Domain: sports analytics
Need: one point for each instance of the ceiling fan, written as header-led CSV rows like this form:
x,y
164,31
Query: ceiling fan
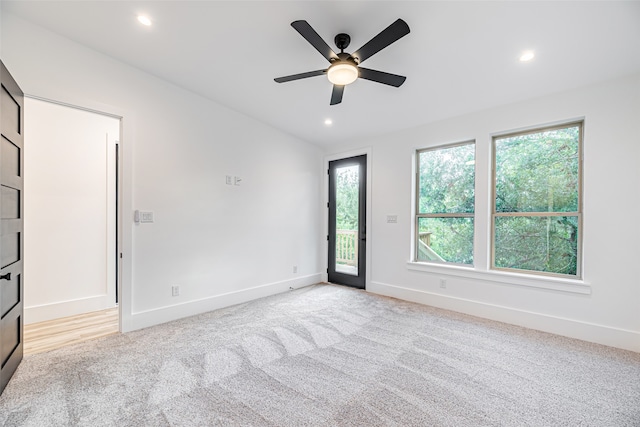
x,y
345,68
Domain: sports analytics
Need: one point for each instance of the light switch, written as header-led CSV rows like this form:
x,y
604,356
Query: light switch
x,y
392,219
237,180
141,216
146,216
229,180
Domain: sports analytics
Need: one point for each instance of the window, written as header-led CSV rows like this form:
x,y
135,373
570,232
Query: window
x,y
445,204
537,221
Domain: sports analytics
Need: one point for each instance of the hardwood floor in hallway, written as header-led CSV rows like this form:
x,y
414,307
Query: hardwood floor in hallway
x,y
53,334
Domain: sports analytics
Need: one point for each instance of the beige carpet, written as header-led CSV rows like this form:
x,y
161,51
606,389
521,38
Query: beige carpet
x,y
327,356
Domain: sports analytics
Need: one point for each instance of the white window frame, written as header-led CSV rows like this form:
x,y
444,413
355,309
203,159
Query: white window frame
x,y
577,214
418,215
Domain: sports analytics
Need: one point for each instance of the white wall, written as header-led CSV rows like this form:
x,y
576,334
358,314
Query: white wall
x,y
70,211
221,244
604,306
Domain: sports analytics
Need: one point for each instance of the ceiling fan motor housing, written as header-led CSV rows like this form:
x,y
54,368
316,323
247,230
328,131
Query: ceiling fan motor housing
x,y
342,41
345,57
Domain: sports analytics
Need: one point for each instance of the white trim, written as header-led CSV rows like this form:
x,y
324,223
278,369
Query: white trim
x,y
147,318
123,200
505,278
125,197
530,128
57,310
600,334
77,107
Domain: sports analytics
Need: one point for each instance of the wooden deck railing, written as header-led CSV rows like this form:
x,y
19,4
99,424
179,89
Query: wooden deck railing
x,y
425,237
347,247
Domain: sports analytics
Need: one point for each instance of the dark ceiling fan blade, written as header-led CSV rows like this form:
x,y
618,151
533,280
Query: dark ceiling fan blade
x,y
300,76
389,35
314,39
381,77
336,94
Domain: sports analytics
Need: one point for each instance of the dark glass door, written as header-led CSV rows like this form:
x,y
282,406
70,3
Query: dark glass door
x,y
347,221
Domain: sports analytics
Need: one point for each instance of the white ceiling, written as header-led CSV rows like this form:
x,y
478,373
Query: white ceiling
x,y
461,56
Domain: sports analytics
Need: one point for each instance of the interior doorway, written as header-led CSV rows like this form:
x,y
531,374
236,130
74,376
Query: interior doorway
x,y
347,221
71,230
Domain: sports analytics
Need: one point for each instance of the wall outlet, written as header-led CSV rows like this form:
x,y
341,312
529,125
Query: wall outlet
x,y
295,268
443,283
175,290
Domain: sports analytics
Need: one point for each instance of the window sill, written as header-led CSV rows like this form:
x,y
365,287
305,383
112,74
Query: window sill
x,y
559,284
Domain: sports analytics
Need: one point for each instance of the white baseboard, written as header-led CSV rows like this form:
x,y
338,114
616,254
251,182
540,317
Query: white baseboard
x,y
56,310
614,337
156,316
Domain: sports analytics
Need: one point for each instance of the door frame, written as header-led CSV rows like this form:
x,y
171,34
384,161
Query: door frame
x,y
325,217
124,197
113,210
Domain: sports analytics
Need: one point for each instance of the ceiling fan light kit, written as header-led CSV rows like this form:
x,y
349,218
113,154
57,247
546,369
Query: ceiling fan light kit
x,y
344,68
342,73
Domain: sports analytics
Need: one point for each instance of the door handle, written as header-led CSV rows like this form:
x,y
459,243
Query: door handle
x,y
6,276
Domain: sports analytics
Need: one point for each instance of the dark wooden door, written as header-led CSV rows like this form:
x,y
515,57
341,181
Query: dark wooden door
x,y
347,221
11,225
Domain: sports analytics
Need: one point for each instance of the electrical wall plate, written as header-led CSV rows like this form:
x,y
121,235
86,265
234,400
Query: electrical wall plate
x,y
142,217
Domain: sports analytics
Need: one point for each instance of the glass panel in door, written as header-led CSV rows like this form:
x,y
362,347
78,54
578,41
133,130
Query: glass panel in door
x,y
347,221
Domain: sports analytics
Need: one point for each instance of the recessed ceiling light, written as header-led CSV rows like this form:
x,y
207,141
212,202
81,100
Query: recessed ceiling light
x,y
527,56
328,122
144,20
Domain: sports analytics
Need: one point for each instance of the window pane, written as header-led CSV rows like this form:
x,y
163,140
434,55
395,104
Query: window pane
x,y
538,172
548,243
446,180
445,240
347,209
